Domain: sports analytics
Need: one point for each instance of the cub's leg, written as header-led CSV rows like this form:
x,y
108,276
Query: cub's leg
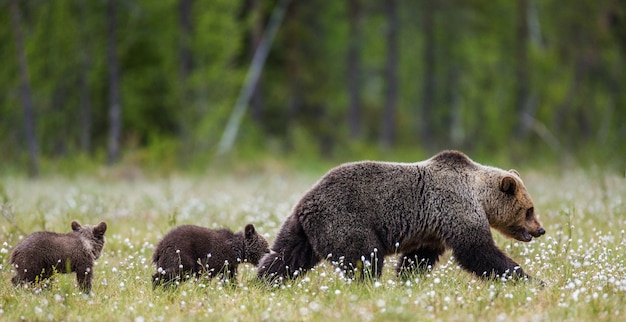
x,y
84,276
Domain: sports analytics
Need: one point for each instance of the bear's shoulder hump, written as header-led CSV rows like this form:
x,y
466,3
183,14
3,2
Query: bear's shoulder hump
x,y
452,157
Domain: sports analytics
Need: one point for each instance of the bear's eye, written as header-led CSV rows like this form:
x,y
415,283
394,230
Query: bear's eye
x,y
530,212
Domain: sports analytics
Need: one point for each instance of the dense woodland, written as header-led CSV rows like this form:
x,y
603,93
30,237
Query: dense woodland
x,y
159,80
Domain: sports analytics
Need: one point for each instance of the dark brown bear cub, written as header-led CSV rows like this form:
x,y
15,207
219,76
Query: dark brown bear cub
x,y
360,212
43,253
189,249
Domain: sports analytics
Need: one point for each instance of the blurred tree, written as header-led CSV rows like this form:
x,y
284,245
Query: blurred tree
x,y
391,75
25,92
477,75
523,105
257,13
115,108
426,117
354,67
310,71
185,68
86,61
186,35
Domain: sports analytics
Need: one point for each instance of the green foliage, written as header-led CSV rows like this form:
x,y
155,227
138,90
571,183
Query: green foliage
x,y
575,67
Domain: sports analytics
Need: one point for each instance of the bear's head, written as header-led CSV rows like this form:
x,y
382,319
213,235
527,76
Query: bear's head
x,y
510,208
92,238
256,245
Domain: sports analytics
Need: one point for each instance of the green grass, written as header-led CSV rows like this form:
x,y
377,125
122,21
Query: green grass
x,y
582,257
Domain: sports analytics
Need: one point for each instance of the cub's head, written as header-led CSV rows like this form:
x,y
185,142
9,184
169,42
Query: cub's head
x,y
92,237
256,245
510,209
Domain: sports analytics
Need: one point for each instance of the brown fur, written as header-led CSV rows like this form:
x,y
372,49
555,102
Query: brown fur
x,y
360,212
43,253
189,249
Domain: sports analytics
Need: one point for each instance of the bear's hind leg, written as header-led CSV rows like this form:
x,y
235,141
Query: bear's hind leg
x,y
360,256
292,254
418,261
361,267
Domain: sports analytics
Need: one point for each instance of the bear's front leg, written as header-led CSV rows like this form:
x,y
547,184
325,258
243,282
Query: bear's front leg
x,y
229,274
84,277
486,260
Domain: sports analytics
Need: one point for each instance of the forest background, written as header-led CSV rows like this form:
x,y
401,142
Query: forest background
x,y
84,83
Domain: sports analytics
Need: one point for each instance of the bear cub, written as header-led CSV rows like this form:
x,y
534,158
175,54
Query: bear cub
x,y
193,250
43,253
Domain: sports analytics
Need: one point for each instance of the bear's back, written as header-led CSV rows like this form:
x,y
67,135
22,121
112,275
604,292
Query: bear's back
x,y
196,241
369,173
45,245
196,233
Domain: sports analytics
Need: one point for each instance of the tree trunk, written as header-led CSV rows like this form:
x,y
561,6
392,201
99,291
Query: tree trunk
x,y
428,88
25,93
187,116
256,33
391,74
354,68
184,47
523,107
83,83
115,109
295,92
564,110
85,109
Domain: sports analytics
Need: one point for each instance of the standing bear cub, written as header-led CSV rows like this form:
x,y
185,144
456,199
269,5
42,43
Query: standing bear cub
x,y
44,253
190,249
360,212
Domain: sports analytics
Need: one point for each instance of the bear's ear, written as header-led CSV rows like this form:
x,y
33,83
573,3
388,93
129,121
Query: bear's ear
x,y
508,185
249,230
513,171
75,225
99,230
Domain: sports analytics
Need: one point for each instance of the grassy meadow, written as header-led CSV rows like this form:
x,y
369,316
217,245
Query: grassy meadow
x,y
582,258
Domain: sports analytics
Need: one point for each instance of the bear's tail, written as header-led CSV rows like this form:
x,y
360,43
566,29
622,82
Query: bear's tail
x,y
292,254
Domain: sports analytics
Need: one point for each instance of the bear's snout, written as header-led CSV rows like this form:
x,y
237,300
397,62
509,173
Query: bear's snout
x,y
527,235
539,232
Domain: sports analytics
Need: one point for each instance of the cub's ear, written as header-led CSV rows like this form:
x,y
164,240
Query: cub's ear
x,y
508,185
99,230
75,225
249,230
513,171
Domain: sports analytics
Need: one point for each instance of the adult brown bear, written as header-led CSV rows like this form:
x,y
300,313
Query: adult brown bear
x,y
360,212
